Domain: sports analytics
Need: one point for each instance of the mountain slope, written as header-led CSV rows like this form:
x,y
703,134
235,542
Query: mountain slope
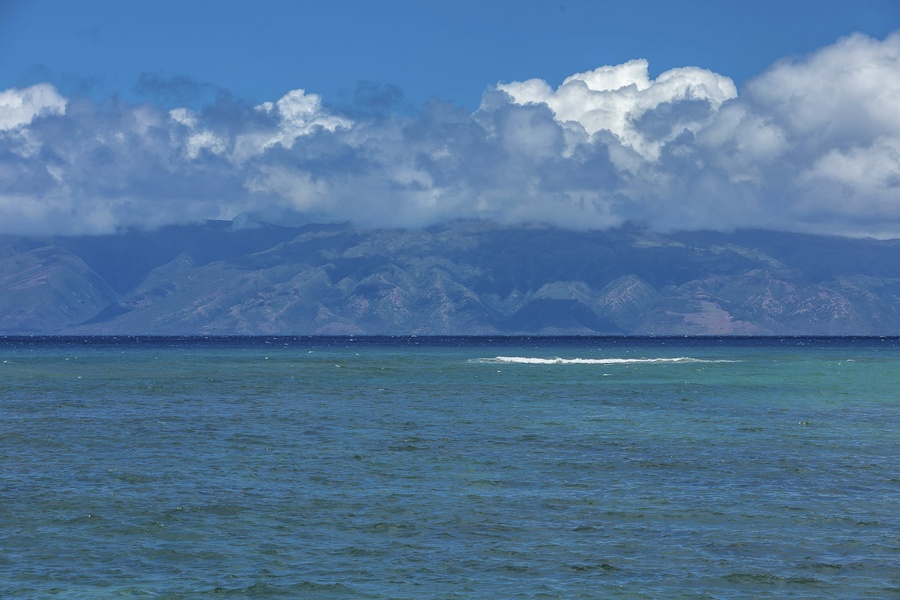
x,y
464,278
44,288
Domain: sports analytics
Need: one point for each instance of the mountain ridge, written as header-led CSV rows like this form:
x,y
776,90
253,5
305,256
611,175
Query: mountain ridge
x,y
465,278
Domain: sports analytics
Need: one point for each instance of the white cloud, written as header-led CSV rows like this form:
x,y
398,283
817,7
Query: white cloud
x,y
614,98
297,114
844,93
741,142
861,181
834,115
811,144
197,138
18,107
294,115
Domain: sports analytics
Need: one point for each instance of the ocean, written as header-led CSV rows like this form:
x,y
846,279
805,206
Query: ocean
x,y
420,467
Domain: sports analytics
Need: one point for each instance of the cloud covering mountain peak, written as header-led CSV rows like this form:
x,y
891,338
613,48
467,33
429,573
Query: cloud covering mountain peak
x,y
811,144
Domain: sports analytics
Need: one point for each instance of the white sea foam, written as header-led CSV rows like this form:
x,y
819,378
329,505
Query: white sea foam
x,y
525,360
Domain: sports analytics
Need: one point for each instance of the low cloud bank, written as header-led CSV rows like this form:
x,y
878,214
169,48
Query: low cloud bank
x,y
812,144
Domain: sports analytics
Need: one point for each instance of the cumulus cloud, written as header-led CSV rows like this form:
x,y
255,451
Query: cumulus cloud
x,y
615,99
811,144
818,136
19,107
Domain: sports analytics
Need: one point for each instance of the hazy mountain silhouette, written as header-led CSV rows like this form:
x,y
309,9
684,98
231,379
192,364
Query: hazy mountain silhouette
x,y
461,278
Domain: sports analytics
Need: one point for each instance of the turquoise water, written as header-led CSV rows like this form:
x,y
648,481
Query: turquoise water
x,y
449,468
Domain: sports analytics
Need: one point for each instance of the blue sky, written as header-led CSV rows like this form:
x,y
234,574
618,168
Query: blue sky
x,y
398,113
449,49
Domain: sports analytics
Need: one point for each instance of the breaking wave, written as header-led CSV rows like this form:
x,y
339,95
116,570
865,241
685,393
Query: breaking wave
x,y
525,360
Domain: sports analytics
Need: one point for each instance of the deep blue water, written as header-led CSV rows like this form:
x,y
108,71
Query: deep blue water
x,y
449,467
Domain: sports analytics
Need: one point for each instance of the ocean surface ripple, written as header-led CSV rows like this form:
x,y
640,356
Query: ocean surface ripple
x,y
418,468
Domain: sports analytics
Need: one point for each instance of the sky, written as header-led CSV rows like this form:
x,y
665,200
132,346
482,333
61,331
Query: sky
x,y
584,114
